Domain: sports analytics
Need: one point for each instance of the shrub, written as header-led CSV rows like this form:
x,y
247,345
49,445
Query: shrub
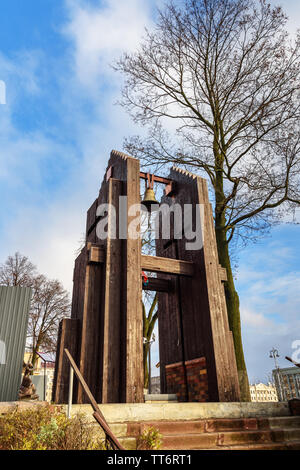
x,y
47,428
150,439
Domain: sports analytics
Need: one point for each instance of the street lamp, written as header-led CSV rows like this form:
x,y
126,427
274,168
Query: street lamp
x,y
150,341
274,354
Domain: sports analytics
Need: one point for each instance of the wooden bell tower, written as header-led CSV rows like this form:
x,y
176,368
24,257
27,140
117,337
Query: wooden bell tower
x,y
105,331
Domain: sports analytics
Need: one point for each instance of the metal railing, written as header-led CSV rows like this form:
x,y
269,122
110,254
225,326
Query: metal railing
x,y
111,440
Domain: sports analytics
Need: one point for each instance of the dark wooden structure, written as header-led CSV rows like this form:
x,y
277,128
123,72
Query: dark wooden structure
x,y
104,334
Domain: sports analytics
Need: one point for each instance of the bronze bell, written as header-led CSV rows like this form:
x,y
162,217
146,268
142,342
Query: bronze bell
x,y
149,200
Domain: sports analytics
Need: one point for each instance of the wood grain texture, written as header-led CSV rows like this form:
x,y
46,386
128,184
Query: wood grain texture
x,y
159,285
167,265
133,294
89,355
96,254
204,323
107,298
112,306
67,338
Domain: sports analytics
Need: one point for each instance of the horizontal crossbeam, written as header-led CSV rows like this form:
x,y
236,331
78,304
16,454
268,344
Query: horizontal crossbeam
x,y
154,264
158,285
158,179
167,265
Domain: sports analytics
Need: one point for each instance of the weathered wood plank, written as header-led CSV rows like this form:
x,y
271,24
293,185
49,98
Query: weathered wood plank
x,y
90,329
112,305
96,254
67,338
133,294
159,285
154,264
167,265
204,324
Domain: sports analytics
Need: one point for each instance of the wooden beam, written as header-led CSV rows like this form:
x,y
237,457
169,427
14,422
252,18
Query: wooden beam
x,y
158,179
152,264
167,265
158,285
96,254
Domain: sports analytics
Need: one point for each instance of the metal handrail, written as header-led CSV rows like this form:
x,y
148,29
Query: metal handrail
x,y
110,437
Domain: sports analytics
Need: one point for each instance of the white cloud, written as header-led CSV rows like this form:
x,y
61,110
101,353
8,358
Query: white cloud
x,y
48,231
102,33
270,298
47,223
254,319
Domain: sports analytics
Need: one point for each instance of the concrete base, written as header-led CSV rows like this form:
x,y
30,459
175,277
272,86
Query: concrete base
x,y
160,398
138,412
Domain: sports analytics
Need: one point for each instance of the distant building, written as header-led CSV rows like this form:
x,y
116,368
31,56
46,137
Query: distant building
x,y
287,383
263,393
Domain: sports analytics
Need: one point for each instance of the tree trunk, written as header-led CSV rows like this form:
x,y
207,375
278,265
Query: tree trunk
x,y
34,357
145,360
35,350
233,310
232,298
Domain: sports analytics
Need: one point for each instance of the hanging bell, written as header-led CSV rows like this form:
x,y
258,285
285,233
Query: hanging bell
x,y
149,201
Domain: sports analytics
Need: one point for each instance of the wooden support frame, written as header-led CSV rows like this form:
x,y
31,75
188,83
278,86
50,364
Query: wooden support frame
x,y
159,285
107,297
150,263
167,265
193,320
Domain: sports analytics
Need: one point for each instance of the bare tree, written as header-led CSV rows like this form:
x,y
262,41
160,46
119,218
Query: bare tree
x,y
149,321
49,303
226,74
17,271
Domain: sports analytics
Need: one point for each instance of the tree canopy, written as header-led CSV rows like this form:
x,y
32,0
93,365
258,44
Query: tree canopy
x,y
216,86
225,75
49,303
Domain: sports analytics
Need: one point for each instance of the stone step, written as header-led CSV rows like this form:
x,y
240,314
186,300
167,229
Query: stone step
x,y
294,445
201,426
216,433
226,439
284,422
214,425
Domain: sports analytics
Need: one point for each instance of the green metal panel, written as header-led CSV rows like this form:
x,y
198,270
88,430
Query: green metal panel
x,y
14,309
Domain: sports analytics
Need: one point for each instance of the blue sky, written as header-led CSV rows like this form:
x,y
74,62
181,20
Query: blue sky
x,y
57,129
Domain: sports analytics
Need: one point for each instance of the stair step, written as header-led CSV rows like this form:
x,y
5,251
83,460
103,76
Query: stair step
x,y
199,426
291,434
232,438
218,425
295,445
284,422
224,433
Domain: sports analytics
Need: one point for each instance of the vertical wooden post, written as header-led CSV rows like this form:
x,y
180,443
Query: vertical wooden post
x,y
204,325
133,294
68,337
112,307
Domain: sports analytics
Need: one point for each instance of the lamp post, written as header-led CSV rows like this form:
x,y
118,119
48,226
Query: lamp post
x,y
150,341
274,355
